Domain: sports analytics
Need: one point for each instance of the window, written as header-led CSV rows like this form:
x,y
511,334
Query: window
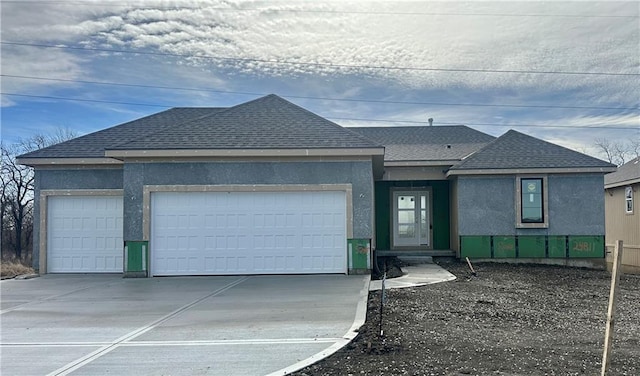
x,y
531,202
628,200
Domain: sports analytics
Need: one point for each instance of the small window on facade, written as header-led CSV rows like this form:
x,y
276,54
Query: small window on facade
x,y
531,200
628,200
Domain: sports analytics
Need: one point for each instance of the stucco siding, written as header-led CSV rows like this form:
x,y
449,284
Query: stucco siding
x,y
357,173
80,179
486,206
576,205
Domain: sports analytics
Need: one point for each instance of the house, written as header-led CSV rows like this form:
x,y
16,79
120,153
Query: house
x,y
268,187
621,214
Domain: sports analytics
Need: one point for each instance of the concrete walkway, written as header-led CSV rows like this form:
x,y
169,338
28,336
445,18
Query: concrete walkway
x,y
415,275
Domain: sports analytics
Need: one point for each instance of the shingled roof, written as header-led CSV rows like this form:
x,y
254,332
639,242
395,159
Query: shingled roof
x,y
265,123
269,122
628,173
427,143
93,145
516,151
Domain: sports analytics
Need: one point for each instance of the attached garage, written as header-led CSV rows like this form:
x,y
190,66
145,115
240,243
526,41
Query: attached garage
x,y
205,233
84,234
263,187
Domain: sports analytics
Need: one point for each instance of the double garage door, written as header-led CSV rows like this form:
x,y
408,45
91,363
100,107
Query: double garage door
x,y
208,233
205,233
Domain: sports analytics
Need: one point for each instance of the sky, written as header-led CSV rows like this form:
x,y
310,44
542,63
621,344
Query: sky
x,y
565,72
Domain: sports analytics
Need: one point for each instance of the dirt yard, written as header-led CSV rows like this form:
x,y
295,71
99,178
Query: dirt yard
x,y
509,320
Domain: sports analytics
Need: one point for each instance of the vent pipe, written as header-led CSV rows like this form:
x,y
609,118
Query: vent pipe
x,y
430,122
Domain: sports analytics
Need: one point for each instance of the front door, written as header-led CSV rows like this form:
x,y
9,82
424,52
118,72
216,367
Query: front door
x,y
411,219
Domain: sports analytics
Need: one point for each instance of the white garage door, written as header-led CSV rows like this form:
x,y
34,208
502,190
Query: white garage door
x,y
84,234
208,233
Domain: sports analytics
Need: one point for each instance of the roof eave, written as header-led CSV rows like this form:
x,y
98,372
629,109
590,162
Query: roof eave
x,y
35,162
309,152
542,170
423,163
622,183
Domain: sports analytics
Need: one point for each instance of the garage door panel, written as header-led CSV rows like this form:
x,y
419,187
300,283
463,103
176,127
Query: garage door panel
x,y
250,232
84,234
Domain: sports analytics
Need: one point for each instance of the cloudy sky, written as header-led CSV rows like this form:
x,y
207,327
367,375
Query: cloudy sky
x,y
566,72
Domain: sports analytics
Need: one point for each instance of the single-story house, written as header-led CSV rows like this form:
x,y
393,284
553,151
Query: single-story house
x,y
621,214
269,187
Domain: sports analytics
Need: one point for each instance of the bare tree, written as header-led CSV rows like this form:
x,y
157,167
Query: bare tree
x,y
16,203
619,152
17,196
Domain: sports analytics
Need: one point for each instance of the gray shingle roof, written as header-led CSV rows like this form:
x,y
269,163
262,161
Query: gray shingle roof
x,y
626,174
93,145
514,150
427,143
269,122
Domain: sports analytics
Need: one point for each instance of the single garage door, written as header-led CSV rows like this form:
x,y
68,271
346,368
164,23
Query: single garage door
x,y
209,233
84,234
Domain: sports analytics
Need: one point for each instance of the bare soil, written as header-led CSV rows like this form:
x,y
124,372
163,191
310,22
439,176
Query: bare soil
x,y
507,320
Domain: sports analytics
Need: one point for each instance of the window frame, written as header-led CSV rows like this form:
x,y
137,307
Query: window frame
x,y
628,199
544,198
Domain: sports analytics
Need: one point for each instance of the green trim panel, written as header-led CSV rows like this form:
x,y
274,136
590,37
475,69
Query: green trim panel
x,y
531,246
504,247
557,246
475,246
136,256
586,246
359,254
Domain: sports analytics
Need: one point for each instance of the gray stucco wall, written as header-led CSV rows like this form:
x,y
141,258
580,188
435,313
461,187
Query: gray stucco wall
x,y
486,205
68,179
357,173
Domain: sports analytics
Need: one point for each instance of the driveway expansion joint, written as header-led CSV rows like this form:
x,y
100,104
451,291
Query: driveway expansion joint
x,y
79,363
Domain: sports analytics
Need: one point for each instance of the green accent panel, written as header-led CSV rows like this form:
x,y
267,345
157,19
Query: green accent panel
x,y
383,215
504,247
586,246
439,205
441,216
359,253
557,246
531,246
137,256
475,246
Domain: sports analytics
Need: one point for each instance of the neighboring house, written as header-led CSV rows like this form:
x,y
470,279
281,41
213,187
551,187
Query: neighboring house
x,y
268,187
622,188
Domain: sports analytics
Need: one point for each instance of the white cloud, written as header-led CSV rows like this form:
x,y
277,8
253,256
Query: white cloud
x,y
337,36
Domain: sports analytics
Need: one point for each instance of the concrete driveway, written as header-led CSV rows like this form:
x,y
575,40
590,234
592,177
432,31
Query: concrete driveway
x,y
232,325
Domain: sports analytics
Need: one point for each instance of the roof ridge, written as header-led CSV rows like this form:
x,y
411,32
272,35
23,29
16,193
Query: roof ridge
x,y
466,158
269,116
361,137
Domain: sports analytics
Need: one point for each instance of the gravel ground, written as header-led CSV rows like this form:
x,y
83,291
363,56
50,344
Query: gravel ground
x,y
507,320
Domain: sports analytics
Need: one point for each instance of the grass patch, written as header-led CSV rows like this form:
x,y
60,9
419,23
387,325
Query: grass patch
x,y
12,268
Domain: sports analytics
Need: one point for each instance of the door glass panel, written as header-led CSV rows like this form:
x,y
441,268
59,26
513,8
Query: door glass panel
x,y
406,216
411,219
406,231
406,202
